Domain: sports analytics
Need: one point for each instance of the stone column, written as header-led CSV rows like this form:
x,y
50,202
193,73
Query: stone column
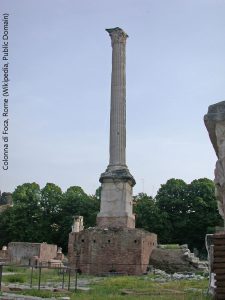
x,y
117,182
118,100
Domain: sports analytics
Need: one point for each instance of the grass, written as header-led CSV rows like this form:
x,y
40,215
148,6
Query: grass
x,y
13,269
23,275
117,288
170,246
50,277
142,288
43,293
113,288
16,278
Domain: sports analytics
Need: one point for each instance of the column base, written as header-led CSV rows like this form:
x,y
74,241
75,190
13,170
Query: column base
x,y
96,251
116,222
117,173
116,203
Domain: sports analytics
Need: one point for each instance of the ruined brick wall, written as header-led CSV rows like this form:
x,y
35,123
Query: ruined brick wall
x,y
96,251
219,264
22,253
3,253
4,256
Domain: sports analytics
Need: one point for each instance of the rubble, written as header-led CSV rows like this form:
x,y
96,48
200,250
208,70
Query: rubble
x,y
161,276
177,259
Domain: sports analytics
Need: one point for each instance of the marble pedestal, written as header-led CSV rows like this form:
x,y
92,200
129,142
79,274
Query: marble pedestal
x,y
116,199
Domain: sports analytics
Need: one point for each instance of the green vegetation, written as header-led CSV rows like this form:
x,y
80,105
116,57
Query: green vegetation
x,y
133,287
180,213
12,269
45,215
43,293
170,246
16,278
49,277
124,287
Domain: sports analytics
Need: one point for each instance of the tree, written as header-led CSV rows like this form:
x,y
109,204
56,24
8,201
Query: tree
x,y
6,227
149,216
171,201
22,222
191,210
98,193
76,202
203,215
51,206
46,215
180,213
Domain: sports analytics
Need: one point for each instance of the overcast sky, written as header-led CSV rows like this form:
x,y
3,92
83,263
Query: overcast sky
x,y
60,68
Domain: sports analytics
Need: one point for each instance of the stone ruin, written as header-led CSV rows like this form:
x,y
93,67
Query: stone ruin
x,y
115,245
5,201
6,198
215,124
78,224
33,254
215,243
4,254
178,259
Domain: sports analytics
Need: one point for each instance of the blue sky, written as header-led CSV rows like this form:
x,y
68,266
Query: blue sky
x,y
60,67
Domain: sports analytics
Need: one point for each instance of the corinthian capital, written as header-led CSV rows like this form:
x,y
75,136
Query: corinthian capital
x,y
117,35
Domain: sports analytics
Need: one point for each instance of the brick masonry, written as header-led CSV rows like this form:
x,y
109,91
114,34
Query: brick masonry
x,y
219,264
3,256
96,251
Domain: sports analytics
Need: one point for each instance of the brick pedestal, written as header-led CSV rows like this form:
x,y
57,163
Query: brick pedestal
x,y
124,250
219,264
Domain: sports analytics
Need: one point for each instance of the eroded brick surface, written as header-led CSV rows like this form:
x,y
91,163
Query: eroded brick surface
x,y
218,264
96,251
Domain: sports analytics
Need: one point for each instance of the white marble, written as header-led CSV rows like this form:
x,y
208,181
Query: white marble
x,y
78,224
117,147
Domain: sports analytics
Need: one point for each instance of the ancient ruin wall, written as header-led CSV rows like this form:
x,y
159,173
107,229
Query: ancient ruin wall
x,y
22,252
97,251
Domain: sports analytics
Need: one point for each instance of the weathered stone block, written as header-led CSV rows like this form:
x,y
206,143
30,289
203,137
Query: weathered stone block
x,y
22,252
116,204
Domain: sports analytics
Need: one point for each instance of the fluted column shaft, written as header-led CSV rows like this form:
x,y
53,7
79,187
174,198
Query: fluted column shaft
x,y
117,183
118,99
